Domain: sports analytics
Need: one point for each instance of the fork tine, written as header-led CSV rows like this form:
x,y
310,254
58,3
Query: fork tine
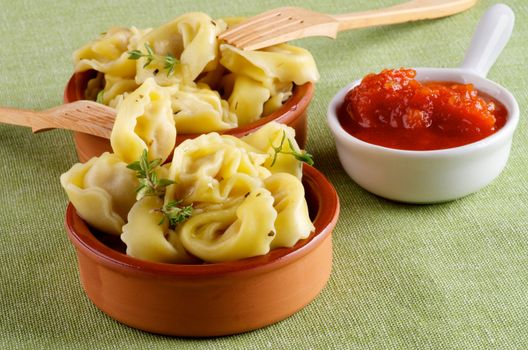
x,y
260,31
260,44
284,34
83,116
249,23
270,32
253,21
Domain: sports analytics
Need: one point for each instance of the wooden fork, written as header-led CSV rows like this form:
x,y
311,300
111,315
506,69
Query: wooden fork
x,y
289,23
85,116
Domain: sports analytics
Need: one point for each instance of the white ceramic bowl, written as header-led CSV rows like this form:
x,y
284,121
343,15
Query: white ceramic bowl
x,y
447,174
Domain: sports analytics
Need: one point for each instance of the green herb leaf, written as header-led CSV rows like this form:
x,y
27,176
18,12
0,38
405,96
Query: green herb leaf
x,y
302,156
135,55
151,185
134,166
165,182
100,96
149,182
170,62
175,214
149,49
154,163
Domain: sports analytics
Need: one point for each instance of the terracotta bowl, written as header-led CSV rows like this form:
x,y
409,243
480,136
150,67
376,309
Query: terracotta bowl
x,y
209,299
292,113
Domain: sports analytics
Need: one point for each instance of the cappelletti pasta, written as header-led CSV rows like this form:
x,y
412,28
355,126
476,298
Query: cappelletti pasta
x,y
102,191
200,109
148,240
241,206
191,38
232,233
274,135
144,121
219,198
214,86
212,168
108,53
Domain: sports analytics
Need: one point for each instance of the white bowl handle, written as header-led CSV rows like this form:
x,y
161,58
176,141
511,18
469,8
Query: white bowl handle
x,y
490,37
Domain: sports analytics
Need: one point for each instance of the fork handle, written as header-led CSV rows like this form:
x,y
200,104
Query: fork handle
x,y
20,117
409,11
39,121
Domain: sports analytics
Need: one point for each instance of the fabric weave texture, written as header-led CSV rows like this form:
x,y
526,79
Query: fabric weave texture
x,y
444,276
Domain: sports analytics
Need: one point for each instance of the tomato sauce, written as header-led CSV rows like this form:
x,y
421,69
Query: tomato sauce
x,y
393,109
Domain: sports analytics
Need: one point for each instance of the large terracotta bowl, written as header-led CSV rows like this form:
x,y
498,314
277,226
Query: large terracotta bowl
x,y
209,299
292,113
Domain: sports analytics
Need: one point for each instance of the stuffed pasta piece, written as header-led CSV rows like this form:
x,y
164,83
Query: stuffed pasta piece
x,y
109,53
293,221
271,137
102,191
189,40
264,78
115,89
278,63
213,168
243,230
144,121
200,110
241,209
247,99
147,239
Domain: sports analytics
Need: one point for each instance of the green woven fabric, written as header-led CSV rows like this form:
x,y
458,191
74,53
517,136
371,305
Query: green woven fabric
x,y
447,276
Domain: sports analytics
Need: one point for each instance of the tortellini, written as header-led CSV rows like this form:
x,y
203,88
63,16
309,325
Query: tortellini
x,y
191,38
144,121
108,54
274,135
244,196
212,168
241,208
270,65
232,233
115,89
147,239
102,191
200,110
214,86
238,205
293,222
247,99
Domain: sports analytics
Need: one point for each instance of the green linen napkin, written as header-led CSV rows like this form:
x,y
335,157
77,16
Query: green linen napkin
x,y
447,276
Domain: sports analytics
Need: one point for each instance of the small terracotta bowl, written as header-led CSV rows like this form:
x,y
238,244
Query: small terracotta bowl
x,y
209,299
292,113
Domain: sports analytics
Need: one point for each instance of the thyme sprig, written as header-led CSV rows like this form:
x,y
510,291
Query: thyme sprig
x,y
100,97
302,156
137,54
151,185
169,61
175,213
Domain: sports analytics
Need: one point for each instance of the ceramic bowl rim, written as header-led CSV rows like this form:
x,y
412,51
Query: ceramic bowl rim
x,y
506,132
324,222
